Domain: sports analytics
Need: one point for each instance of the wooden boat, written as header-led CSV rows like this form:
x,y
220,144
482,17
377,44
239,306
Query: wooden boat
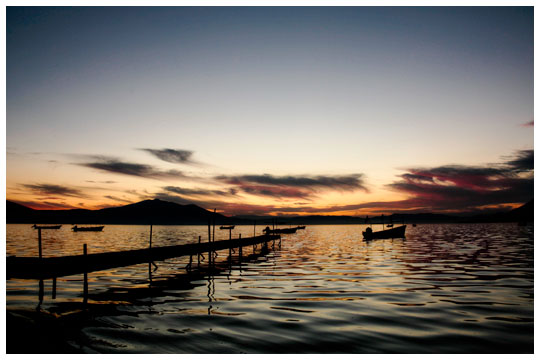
x,y
87,228
280,231
394,233
230,227
55,227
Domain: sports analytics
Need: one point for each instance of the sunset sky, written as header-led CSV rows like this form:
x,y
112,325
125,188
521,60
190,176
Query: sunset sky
x,y
271,110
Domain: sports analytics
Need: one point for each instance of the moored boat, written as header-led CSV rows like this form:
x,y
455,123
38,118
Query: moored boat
x,y
301,227
393,233
280,231
54,227
224,227
87,228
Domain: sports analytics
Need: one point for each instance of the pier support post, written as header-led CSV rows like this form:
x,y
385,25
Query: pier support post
x,y
209,242
54,288
39,242
199,254
85,284
41,294
188,267
240,248
150,257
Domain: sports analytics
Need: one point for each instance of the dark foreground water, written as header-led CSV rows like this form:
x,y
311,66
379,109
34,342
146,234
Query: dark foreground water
x,y
457,288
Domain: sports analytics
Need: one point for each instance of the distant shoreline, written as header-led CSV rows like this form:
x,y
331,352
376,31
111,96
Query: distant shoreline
x,y
158,212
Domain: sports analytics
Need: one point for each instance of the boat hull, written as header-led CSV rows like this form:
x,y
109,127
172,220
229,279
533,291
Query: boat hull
x,y
97,228
54,227
394,233
281,231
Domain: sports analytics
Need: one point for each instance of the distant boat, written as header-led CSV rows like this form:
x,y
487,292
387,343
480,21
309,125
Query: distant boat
x,y
301,227
279,231
413,225
390,225
55,227
87,228
394,233
230,227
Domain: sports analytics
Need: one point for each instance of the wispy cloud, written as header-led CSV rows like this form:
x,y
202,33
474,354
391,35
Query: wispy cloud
x,y
299,187
175,156
116,166
199,192
115,198
52,189
46,205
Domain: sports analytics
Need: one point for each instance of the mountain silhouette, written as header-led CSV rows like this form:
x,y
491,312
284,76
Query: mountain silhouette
x,y
159,212
155,212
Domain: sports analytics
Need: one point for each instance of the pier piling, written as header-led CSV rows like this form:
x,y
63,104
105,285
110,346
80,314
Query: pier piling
x,y
85,280
39,242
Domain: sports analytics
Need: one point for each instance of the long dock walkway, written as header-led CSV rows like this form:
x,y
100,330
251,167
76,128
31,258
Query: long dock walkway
x,y
53,267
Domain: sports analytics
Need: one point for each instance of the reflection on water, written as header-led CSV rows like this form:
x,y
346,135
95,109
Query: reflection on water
x,y
445,289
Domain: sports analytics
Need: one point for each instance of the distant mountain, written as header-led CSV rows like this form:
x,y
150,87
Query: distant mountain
x,y
155,212
16,213
160,212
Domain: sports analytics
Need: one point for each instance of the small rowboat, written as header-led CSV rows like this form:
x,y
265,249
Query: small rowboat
x,y
280,231
230,227
55,227
89,228
394,233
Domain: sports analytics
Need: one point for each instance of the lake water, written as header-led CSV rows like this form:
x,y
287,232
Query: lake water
x,y
453,288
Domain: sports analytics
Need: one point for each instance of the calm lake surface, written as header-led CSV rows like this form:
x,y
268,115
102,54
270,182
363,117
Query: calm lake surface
x,y
453,288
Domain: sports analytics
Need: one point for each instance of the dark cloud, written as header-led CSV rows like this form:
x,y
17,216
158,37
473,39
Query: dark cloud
x,y
466,188
46,205
522,161
142,170
51,189
115,198
299,187
199,192
175,156
346,182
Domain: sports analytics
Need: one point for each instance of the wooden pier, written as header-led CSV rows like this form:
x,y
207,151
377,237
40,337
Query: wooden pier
x,y
53,267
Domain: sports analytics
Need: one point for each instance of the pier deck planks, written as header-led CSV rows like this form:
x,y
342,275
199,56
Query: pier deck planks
x,y
52,267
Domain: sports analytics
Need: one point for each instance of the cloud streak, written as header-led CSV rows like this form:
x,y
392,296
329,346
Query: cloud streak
x,y
116,166
456,187
175,156
51,189
298,187
199,192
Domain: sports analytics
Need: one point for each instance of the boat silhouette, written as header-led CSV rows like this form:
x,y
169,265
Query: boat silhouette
x,y
87,228
393,233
